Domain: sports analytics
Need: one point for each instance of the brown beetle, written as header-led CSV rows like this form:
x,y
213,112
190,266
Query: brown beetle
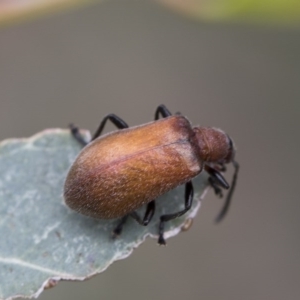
x,y
119,172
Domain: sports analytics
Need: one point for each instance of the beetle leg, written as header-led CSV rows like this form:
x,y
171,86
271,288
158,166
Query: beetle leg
x,y
114,119
76,134
148,214
161,109
225,208
189,195
217,177
222,168
214,185
147,218
117,231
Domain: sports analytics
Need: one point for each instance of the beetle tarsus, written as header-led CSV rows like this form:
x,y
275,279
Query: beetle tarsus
x,y
161,228
118,230
76,134
162,241
218,191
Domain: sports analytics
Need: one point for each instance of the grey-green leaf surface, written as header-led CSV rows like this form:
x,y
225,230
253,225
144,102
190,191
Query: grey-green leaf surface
x,y
42,240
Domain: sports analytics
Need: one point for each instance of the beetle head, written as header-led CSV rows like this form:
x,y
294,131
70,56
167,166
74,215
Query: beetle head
x,y
216,147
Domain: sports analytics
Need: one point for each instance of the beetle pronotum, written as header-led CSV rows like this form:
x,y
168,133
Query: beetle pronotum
x,y
117,173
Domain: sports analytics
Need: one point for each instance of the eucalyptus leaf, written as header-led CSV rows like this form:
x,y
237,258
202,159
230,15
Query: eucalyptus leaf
x,y
278,12
284,12
42,240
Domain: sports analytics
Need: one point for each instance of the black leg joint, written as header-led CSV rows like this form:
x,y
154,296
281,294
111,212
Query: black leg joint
x,y
161,109
117,121
148,214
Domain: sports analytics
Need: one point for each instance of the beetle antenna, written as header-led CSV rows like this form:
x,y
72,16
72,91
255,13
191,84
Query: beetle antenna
x,y
225,208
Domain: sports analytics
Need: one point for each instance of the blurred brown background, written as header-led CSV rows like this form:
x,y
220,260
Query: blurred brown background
x,y
127,57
